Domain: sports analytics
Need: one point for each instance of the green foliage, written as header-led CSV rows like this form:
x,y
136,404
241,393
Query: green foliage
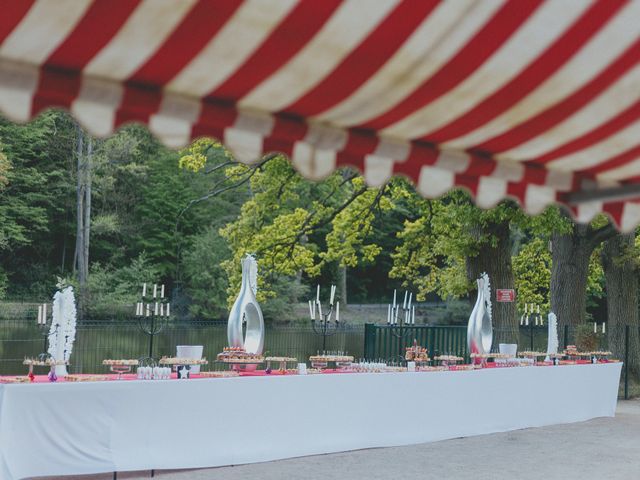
x,y
298,227
205,280
532,270
112,288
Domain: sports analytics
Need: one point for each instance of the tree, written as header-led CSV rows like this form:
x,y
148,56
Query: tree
x,y
620,261
293,226
451,242
572,249
83,215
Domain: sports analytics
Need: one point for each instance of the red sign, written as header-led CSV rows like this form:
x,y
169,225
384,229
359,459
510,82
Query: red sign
x,y
505,295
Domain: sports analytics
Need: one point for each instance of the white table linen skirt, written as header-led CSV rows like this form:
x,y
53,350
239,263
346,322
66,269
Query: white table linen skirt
x,y
82,428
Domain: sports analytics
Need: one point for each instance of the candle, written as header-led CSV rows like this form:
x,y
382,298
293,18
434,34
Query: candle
x,y
44,313
538,311
595,327
144,289
155,290
395,320
39,314
155,311
162,291
311,311
319,310
410,297
318,294
333,294
526,320
388,314
168,309
148,310
337,311
162,309
394,297
404,303
603,324
413,320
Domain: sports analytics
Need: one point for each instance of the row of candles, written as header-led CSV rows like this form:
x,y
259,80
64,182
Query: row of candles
x,y
408,309
159,308
42,314
316,303
529,311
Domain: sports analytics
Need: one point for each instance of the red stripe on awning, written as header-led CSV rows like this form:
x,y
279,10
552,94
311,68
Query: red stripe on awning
x,y
365,59
562,110
199,26
287,39
60,78
531,77
12,13
478,49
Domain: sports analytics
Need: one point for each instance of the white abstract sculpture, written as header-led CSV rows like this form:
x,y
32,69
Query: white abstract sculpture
x,y
552,342
246,309
62,333
480,328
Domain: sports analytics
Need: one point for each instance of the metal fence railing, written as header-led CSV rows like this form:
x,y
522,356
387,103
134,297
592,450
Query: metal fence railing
x,y
96,340
623,341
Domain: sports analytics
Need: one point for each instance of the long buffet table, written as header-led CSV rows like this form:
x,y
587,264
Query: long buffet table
x,y
93,427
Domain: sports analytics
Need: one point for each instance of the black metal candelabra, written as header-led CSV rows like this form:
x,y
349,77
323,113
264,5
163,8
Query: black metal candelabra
x,y
153,313
43,325
397,323
531,318
325,326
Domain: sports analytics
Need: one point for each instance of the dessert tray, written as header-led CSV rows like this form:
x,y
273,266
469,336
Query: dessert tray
x,y
528,354
572,351
416,354
447,359
48,362
175,361
282,361
322,361
129,363
599,353
238,355
228,374
120,366
87,378
15,379
490,355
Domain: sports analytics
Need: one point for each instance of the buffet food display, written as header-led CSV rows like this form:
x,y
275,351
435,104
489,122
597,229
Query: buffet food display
x,y
446,360
215,374
46,362
238,355
87,378
174,361
323,361
121,366
281,361
416,353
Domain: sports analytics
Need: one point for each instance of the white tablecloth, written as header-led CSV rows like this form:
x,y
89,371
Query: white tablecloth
x,y
76,428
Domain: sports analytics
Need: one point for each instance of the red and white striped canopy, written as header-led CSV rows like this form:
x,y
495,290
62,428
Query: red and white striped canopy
x,y
538,100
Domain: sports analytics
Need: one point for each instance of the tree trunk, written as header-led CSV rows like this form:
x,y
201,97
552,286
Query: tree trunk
x,y
77,264
622,298
570,254
83,218
342,284
87,209
496,262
